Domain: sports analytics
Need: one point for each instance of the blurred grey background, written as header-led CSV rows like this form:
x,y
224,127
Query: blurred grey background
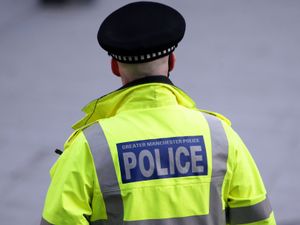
x,y
239,58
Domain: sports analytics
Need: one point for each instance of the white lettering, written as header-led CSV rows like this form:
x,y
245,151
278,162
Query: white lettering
x,y
196,158
171,160
163,162
160,171
182,168
129,163
146,154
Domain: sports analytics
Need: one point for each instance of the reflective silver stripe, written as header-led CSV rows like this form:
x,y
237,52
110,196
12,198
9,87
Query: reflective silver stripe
x,y
108,179
44,222
250,214
106,174
219,146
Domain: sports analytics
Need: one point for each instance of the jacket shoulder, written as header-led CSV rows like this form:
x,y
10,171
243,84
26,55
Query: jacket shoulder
x,y
218,115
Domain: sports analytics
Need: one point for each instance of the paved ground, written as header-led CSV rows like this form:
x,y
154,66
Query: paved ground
x,y
240,58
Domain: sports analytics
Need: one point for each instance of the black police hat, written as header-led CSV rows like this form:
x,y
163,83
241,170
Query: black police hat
x,y
141,32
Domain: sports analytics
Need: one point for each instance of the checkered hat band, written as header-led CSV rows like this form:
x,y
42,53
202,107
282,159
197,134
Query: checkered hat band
x,y
142,58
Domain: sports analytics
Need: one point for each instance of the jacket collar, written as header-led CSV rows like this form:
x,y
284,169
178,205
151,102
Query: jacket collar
x,y
147,80
110,104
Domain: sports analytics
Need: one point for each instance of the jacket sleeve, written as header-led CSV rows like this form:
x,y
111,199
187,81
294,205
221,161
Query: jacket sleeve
x,y
247,201
70,194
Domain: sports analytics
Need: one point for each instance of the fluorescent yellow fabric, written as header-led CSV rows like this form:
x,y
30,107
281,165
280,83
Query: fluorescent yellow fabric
x,y
143,112
159,195
73,196
243,185
108,106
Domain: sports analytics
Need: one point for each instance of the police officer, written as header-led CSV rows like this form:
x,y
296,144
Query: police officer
x,y
144,154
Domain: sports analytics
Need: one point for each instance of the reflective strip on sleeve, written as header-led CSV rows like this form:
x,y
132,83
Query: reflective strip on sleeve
x,y
108,180
106,174
250,214
44,222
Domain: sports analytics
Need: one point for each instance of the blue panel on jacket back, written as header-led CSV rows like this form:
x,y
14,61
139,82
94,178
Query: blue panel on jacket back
x,y
162,158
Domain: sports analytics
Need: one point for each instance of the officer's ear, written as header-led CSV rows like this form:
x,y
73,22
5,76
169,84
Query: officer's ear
x,y
115,67
172,60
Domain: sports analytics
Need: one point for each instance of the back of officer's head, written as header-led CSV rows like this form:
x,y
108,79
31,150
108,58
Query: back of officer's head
x,y
141,36
130,72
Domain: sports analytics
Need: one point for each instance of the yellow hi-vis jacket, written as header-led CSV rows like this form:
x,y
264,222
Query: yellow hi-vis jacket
x,y
145,155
